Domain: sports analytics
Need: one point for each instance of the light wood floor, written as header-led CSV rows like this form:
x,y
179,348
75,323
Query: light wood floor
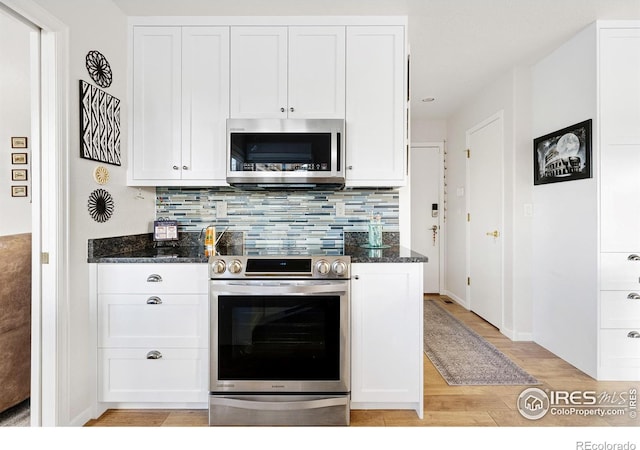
x,y
445,405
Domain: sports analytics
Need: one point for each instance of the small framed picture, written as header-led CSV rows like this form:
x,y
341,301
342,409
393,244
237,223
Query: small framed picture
x,y
18,158
19,175
18,142
18,191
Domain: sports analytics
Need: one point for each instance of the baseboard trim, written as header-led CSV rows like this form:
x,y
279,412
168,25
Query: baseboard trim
x,y
457,299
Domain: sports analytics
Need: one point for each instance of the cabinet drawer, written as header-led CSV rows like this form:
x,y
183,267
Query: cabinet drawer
x,y
620,309
619,351
619,271
126,375
161,278
171,320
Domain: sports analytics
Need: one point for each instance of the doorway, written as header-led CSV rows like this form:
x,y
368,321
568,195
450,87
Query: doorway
x,y
48,150
427,205
485,219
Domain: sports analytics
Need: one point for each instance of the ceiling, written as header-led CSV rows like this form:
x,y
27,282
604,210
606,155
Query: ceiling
x,y
457,46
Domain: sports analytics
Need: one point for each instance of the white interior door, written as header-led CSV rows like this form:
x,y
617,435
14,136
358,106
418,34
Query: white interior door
x,y
484,201
426,207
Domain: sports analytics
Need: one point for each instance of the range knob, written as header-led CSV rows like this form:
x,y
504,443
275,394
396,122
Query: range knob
x,y
322,267
339,267
218,267
235,267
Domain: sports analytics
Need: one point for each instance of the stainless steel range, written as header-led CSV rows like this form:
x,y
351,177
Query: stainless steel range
x,y
280,340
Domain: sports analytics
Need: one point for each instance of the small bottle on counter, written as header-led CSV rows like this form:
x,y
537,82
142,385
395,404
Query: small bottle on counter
x,y
375,232
209,238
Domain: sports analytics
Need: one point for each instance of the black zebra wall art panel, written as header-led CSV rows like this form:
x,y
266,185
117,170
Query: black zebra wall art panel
x,y
99,125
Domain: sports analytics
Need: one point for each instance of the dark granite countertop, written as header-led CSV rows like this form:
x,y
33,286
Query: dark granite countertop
x,y
189,249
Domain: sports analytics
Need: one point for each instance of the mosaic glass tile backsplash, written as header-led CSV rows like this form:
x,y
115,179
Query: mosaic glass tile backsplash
x,y
279,218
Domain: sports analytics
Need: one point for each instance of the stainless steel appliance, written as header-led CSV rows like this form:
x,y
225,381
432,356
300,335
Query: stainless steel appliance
x,y
285,152
280,343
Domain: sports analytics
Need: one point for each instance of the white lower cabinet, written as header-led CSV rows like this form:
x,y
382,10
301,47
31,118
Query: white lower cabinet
x,y
387,336
152,333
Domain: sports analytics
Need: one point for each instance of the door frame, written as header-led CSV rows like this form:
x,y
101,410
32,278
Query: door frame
x,y
442,229
50,222
469,300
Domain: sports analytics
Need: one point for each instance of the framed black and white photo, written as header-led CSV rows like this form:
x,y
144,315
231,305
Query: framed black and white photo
x,y
18,142
563,155
99,125
19,158
18,191
19,175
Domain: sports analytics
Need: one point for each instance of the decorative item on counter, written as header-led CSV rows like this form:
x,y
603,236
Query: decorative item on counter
x,y
165,230
99,125
100,205
209,241
101,175
375,232
99,68
374,238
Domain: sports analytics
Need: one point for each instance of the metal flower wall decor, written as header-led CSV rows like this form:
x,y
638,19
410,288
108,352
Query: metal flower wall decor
x,y
100,205
99,69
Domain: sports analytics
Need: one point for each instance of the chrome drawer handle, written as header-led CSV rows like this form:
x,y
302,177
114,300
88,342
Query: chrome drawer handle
x,y
633,257
154,278
633,334
154,301
633,296
154,354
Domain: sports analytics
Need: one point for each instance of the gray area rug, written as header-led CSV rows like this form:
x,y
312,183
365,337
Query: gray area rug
x,y
462,356
17,416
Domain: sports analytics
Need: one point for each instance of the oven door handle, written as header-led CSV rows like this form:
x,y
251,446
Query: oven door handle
x,y
276,288
260,404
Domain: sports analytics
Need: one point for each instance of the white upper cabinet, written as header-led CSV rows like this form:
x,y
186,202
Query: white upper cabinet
x,y
620,139
180,105
280,72
376,113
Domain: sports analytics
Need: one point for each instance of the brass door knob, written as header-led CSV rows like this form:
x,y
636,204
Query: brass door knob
x,y
494,233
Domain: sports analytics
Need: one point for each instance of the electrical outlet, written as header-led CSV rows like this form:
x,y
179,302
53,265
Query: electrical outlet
x,y
340,209
221,210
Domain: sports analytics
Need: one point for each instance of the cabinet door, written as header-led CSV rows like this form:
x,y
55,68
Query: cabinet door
x,y
316,72
258,72
205,103
386,334
620,139
156,103
375,106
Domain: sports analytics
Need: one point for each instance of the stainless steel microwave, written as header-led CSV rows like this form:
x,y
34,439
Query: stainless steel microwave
x,y
285,152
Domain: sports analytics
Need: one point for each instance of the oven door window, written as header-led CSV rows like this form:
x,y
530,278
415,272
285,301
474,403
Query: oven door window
x,y
279,337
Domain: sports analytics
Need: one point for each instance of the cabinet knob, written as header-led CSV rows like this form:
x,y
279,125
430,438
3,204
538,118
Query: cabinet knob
x,y
154,278
291,109
282,110
154,300
185,167
633,296
357,277
154,354
633,334
176,168
633,257
350,167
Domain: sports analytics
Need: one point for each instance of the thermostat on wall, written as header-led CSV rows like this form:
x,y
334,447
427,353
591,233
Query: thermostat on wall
x,y
165,230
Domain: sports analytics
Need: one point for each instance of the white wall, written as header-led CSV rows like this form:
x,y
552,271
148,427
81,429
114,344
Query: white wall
x,y
15,120
96,25
510,94
565,221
